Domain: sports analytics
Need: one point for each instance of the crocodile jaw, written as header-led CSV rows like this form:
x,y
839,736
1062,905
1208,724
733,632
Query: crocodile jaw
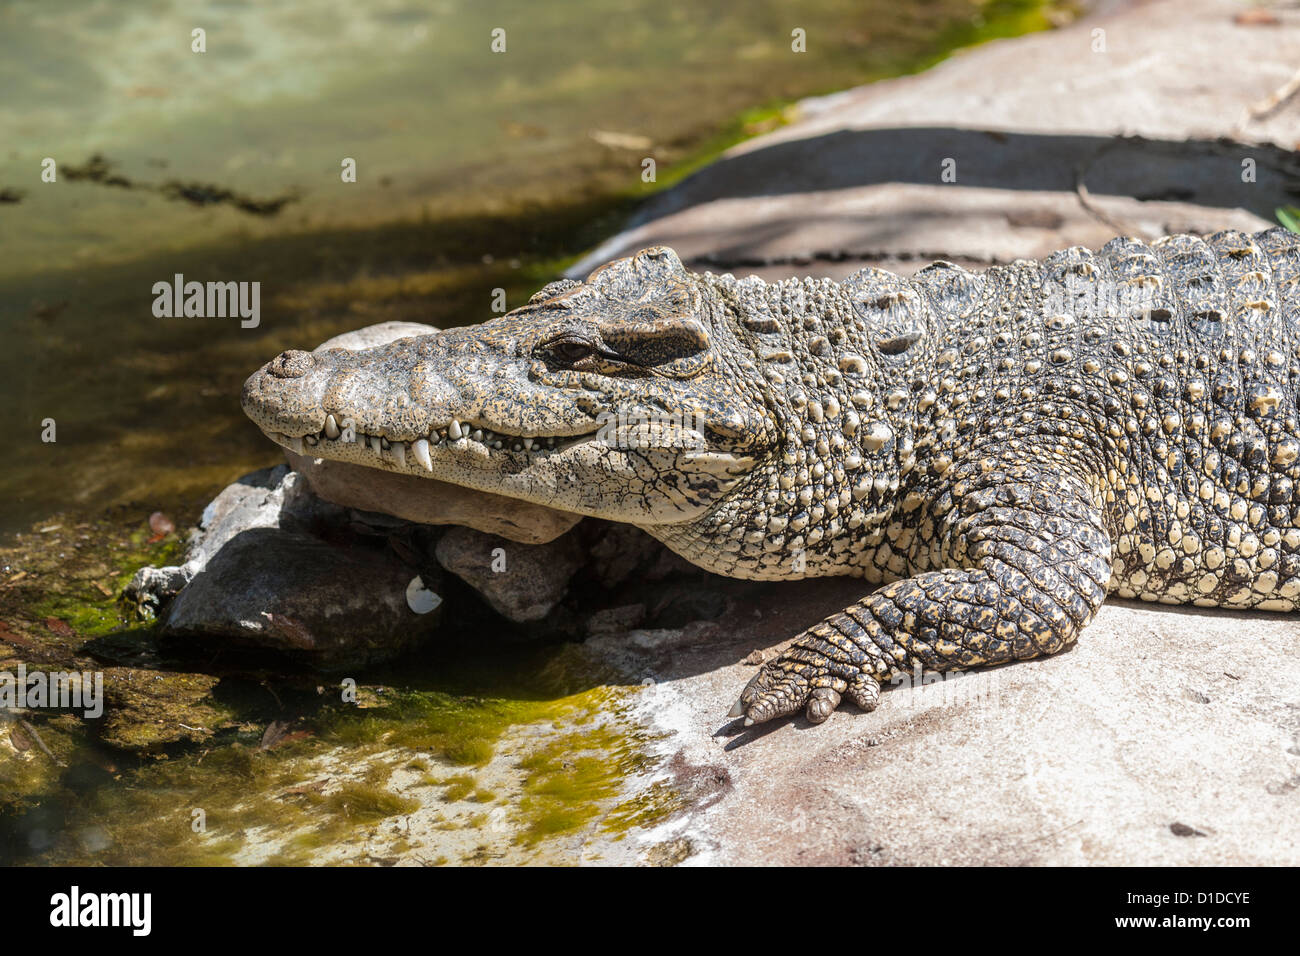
x,y
436,407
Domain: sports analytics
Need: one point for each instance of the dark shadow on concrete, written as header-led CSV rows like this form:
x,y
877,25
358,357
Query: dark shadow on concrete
x,y
1203,172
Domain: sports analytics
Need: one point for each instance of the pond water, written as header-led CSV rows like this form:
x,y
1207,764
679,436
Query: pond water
x,y
475,169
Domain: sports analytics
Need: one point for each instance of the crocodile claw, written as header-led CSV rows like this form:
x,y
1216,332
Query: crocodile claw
x,y
786,686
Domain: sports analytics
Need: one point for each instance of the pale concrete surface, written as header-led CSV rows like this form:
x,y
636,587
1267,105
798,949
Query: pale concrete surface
x,y
1160,721
1166,736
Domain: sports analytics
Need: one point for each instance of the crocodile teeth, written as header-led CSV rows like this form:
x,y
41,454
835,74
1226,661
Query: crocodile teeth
x,y
478,435
453,430
375,446
331,427
528,444
421,449
399,453
295,444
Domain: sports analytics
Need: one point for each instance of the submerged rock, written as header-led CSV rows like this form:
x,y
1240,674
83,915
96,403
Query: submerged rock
x,y
147,709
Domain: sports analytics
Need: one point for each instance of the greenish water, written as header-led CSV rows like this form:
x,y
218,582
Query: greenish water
x,y
475,170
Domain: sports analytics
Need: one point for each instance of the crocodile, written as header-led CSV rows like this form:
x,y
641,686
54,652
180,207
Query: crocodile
x,y
992,452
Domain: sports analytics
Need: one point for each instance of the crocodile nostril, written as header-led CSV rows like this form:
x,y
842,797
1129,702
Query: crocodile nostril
x,y
291,364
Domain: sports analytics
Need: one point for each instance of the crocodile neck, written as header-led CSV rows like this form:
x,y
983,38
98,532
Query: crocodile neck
x,y
812,509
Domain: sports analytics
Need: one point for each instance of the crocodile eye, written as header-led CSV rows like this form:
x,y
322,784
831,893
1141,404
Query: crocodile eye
x,y
569,353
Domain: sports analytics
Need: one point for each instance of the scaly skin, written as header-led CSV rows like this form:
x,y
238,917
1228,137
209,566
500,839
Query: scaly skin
x,y
998,450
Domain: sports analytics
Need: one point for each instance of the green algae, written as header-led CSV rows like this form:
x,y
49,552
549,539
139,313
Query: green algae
x,y
301,798
457,788
323,792
580,778
367,803
76,572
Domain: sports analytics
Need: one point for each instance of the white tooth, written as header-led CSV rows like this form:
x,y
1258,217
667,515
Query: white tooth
x,y
496,444
528,444
375,446
331,427
478,435
453,430
296,445
421,449
399,453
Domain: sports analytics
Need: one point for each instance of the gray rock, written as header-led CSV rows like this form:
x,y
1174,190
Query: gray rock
x,y
620,551
261,499
337,604
521,582
150,588
373,335
615,620
1158,716
256,575
425,501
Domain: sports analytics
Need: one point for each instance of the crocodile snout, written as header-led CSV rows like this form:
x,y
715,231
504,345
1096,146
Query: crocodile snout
x,y
291,364
285,394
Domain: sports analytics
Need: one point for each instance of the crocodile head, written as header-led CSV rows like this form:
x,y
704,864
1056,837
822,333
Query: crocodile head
x,y
623,397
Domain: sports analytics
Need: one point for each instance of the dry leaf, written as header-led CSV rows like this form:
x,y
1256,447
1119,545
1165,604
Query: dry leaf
x,y
1256,17
20,739
60,627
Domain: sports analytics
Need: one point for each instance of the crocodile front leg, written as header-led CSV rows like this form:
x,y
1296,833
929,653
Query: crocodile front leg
x,y
1033,559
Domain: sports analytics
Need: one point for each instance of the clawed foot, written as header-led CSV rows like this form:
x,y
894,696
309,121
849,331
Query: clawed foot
x,y
787,684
